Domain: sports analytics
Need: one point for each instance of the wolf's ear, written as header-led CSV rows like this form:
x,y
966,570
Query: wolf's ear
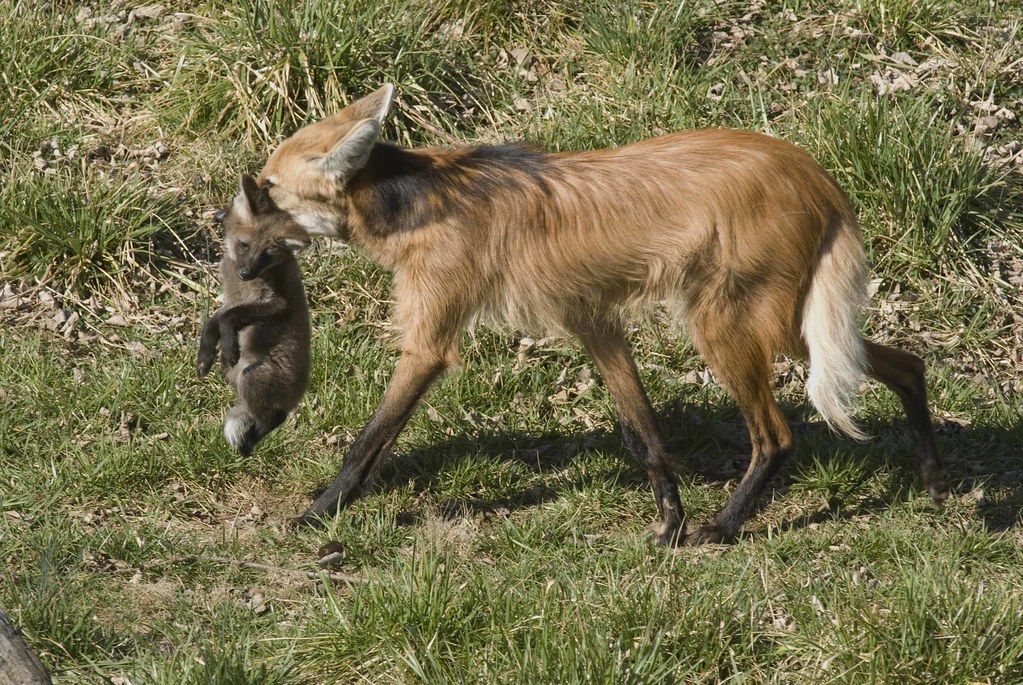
x,y
352,152
372,106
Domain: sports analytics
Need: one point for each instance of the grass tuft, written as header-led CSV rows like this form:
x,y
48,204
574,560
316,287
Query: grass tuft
x,y
84,233
930,202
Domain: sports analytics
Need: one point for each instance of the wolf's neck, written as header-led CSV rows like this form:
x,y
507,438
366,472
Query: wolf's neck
x,y
401,190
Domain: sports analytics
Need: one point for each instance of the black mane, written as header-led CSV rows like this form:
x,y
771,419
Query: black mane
x,y
401,189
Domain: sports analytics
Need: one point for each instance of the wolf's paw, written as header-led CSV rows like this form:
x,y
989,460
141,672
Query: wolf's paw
x,y
708,534
665,535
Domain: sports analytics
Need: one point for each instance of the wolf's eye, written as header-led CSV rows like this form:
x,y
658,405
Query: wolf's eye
x,y
243,244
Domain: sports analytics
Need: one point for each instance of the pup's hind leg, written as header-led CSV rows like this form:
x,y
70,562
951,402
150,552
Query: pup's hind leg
x,y
259,408
237,426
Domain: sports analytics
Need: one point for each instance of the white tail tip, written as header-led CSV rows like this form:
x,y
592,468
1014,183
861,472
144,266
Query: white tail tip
x,y
235,428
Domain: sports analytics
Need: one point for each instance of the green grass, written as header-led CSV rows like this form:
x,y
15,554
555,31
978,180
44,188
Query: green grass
x,y
900,160
86,233
504,542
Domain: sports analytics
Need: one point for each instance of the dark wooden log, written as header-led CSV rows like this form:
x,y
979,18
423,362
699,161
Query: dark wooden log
x,y
18,664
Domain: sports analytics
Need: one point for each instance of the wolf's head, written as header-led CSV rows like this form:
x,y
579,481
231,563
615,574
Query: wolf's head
x,y
308,173
259,235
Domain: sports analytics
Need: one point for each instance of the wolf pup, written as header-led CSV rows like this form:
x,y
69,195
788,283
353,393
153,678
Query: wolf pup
x,y
744,238
263,326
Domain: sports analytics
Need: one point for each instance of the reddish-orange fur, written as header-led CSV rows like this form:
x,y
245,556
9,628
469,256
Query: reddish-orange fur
x,y
742,236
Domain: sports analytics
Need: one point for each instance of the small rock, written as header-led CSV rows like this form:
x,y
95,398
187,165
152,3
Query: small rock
x,y
117,320
903,58
985,126
330,554
332,560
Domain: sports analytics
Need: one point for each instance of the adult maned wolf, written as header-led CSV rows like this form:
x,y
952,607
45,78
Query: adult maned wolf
x,y
742,236
263,327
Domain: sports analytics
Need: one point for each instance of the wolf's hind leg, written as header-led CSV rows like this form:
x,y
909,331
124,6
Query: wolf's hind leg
x,y
740,355
903,372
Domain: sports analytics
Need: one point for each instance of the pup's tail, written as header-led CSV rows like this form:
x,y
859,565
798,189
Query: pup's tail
x,y
239,428
243,428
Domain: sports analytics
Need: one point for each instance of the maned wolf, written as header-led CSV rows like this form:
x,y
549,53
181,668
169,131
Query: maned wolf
x,y
263,325
743,236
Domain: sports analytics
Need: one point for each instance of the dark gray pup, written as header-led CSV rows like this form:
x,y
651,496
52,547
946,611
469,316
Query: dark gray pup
x,y
263,326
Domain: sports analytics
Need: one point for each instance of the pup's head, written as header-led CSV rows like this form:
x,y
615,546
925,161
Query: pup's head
x,y
257,234
309,172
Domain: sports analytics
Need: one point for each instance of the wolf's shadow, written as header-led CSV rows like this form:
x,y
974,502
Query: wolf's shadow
x,y
710,442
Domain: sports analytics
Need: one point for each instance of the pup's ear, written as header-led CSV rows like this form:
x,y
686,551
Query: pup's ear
x,y
296,243
351,152
252,199
248,186
247,199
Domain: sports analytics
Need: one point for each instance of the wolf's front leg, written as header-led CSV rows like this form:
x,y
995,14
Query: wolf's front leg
x,y
413,376
609,349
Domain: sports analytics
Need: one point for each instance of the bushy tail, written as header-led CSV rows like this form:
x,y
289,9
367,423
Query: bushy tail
x,y
831,327
238,429
245,427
